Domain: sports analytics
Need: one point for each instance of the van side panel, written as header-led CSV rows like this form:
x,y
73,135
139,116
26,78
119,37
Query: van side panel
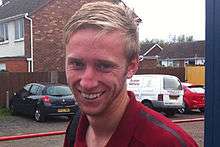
x,y
151,87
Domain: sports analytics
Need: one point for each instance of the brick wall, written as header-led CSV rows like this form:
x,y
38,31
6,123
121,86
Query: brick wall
x,y
148,64
48,23
15,64
178,72
27,38
155,51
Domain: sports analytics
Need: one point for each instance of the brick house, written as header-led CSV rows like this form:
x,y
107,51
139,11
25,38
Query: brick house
x,y
149,56
173,55
31,33
182,54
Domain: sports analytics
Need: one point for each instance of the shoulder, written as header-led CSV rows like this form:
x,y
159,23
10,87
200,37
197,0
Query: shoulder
x,y
155,129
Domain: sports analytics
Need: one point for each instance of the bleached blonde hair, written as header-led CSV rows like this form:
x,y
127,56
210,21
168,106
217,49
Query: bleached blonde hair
x,y
107,17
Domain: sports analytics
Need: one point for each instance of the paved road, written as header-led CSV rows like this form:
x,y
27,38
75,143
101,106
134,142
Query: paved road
x,y
15,125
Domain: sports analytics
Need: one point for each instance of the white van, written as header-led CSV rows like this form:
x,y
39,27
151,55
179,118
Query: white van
x,y
157,91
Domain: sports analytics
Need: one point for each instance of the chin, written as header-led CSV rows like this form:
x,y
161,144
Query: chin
x,y
92,111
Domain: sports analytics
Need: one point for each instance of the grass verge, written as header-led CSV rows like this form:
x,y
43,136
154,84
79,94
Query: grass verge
x,y
4,112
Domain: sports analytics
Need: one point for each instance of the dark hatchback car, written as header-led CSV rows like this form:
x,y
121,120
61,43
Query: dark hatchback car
x,y
41,100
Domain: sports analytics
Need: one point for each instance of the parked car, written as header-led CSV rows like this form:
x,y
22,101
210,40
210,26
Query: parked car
x,y
194,97
41,100
162,93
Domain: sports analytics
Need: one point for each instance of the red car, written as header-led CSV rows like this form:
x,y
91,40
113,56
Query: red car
x,y
194,97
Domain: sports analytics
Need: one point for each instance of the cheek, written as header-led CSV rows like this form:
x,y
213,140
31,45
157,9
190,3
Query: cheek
x,y
67,75
119,78
70,77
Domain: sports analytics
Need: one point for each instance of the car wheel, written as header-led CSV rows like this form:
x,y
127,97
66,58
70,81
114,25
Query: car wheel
x,y
170,112
38,116
184,110
12,109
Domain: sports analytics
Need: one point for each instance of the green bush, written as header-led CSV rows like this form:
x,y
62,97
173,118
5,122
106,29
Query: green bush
x,y
4,112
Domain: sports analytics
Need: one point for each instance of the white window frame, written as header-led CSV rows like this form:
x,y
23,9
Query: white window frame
x,y
164,63
3,32
19,30
170,63
200,62
2,67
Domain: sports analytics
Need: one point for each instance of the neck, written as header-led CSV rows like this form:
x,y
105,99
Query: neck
x,y
105,124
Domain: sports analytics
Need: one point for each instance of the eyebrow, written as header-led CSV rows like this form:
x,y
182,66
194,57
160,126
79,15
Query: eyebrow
x,y
107,62
71,59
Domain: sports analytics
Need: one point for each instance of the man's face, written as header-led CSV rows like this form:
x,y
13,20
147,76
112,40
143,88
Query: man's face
x,y
97,69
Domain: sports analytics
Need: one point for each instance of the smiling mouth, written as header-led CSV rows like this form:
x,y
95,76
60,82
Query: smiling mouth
x,y
91,96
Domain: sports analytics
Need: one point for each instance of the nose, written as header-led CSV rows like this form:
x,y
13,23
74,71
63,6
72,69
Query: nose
x,y
88,79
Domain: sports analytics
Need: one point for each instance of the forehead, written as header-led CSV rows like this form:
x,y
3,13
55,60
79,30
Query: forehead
x,y
94,41
95,35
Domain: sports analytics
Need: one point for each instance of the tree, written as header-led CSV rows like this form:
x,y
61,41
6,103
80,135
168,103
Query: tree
x,y
172,39
181,38
153,41
189,38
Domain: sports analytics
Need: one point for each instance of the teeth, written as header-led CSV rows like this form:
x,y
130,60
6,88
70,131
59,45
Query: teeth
x,y
90,96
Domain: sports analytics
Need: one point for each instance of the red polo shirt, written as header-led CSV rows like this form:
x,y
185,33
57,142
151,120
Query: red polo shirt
x,y
141,127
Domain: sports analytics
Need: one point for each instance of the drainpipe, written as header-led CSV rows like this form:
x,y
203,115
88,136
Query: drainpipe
x,y
32,52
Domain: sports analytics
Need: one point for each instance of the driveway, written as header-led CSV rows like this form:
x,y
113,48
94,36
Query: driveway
x,y
15,125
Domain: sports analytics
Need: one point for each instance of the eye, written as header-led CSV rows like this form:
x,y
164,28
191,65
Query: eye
x,y
104,66
76,64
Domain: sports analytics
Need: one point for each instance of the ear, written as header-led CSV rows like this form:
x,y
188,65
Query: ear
x,y
132,67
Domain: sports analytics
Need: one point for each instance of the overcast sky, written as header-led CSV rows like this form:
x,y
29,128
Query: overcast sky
x,y
165,18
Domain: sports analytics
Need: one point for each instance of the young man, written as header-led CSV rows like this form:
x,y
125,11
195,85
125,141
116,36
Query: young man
x,y
101,53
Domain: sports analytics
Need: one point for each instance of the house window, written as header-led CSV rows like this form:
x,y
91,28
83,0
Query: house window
x,y
176,63
3,32
19,29
170,63
192,62
163,63
2,67
186,62
200,62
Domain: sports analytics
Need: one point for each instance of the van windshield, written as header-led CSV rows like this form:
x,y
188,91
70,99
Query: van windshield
x,y
171,83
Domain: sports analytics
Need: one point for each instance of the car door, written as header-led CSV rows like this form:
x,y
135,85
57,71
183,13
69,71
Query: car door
x,y
33,99
19,98
30,99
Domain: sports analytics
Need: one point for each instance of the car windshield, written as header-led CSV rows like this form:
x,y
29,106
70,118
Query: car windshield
x,y
197,89
171,83
59,91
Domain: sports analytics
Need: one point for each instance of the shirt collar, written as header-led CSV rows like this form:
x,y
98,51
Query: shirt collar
x,y
124,131
127,125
